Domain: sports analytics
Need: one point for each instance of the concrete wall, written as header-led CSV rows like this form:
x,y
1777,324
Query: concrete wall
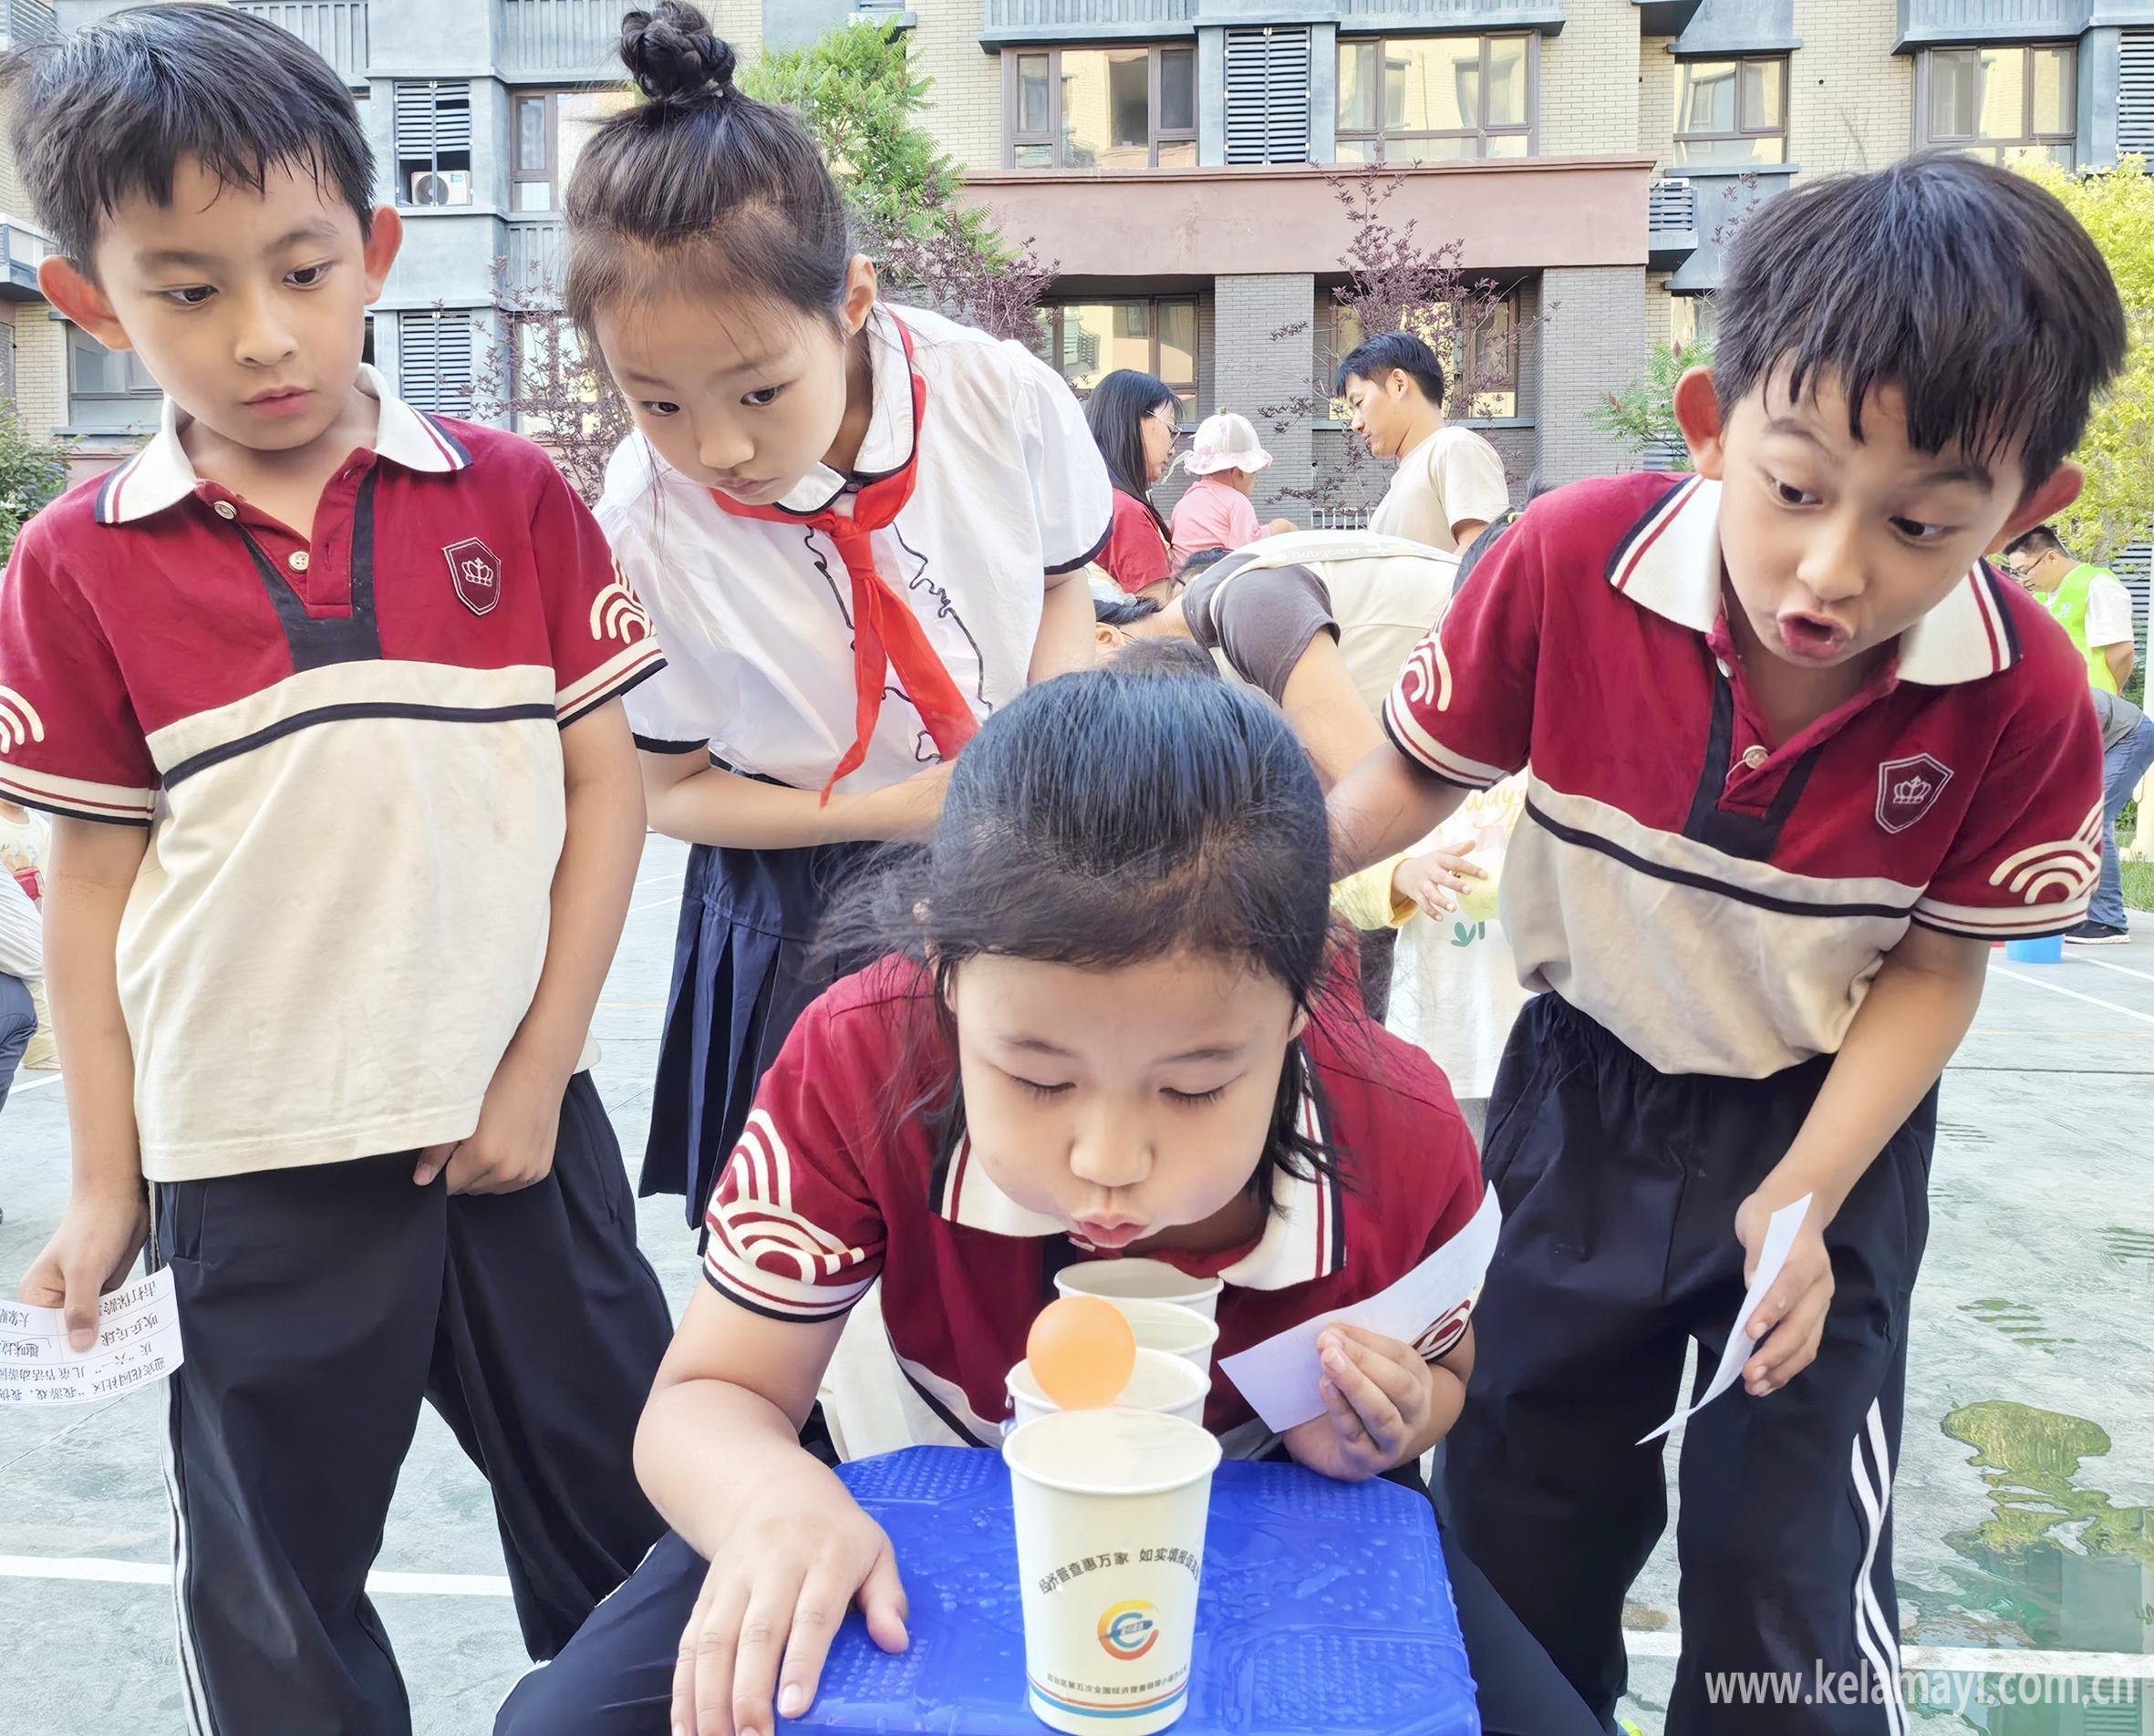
x,y
1850,99
1592,342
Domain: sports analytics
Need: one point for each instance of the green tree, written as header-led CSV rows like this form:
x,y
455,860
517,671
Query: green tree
x,y
1642,416
2117,208
32,471
859,100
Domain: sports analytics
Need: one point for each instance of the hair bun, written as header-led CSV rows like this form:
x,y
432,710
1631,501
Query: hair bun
x,y
672,55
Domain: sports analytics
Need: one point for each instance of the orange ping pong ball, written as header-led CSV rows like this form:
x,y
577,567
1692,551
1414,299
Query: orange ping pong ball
x,y
1081,1352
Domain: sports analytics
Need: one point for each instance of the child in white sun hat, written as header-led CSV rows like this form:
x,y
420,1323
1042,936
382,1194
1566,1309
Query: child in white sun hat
x,y
1216,512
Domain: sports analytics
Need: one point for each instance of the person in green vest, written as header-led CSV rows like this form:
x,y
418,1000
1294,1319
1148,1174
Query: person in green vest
x,y
2090,601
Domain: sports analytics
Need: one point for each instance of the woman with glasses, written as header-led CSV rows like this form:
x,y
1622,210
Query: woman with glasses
x,y
1136,420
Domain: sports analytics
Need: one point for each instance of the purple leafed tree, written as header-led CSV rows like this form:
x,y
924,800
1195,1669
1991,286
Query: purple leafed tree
x,y
1396,280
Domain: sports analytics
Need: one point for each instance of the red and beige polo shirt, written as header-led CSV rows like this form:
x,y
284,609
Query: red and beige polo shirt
x,y
1720,900
347,752
830,1189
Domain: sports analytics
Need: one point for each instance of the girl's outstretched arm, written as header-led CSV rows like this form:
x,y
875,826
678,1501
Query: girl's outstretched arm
x,y
717,1451
692,800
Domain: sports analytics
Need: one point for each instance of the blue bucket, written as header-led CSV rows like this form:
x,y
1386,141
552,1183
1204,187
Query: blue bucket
x,y
2049,950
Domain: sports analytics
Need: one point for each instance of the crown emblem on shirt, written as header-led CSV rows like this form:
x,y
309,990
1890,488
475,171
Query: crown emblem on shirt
x,y
1907,789
475,572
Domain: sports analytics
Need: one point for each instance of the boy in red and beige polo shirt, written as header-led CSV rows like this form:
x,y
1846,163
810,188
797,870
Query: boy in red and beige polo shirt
x,y
1796,755
322,692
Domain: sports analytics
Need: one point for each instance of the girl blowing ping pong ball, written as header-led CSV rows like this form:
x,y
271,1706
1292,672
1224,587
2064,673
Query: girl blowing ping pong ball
x,y
1109,1022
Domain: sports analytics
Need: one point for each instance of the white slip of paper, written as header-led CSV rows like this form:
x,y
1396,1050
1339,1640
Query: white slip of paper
x,y
1280,1376
1779,1238
138,1343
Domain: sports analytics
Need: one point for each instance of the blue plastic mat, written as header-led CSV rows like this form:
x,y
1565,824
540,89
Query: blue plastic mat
x,y
1325,1609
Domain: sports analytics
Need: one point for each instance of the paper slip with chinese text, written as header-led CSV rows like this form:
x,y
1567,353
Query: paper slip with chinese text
x,y
1779,1238
138,1343
1279,1376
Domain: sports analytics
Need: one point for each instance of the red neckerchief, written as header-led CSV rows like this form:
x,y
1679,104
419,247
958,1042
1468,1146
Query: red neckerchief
x,y
887,635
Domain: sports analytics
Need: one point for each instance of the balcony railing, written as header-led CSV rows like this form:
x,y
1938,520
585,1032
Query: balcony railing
x,y
1922,21
25,21
334,29
21,252
538,258
573,37
1078,20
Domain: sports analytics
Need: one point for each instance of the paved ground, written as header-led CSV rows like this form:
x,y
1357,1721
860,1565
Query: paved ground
x,y
2024,1506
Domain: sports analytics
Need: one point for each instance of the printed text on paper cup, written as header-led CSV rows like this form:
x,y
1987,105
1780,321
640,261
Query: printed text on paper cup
x,y
1117,1558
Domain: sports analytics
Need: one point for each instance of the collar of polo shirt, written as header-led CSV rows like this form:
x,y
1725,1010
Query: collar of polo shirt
x,y
161,474
891,435
1672,565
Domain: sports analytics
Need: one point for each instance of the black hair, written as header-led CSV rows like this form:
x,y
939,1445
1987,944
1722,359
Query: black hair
x,y
1197,560
109,111
1120,814
2041,540
1165,657
1376,357
1122,610
1116,413
700,185
1968,287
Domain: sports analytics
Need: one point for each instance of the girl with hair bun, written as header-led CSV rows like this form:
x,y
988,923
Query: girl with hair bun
x,y
860,528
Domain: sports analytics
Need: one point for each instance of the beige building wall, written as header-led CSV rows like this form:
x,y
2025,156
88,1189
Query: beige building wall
x,y
1850,99
967,96
738,22
1656,100
40,369
1588,82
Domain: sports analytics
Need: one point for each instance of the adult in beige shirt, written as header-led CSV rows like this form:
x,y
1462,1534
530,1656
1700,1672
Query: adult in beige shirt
x,y
1450,481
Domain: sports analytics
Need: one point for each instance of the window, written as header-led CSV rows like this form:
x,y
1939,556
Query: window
x,y
1731,111
1100,107
107,390
2007,102
1691,321
434,363
1084,341
434,143
1489,389
1435,98
535,152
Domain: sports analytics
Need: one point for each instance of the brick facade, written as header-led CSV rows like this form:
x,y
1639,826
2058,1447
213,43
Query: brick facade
x,y
1255,370
1588,82
1591,344
967,88
1850,99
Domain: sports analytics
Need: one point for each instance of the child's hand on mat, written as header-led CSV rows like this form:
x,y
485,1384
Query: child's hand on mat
x,y
1378,1394
1434,879
770,1604
514,1144
1793,1312
91,1253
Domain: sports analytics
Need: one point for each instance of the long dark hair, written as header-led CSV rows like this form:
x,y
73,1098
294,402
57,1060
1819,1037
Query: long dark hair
x,y
1109,817
701,186
1116,413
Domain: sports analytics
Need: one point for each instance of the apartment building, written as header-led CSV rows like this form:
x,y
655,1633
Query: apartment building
x,y
1174,159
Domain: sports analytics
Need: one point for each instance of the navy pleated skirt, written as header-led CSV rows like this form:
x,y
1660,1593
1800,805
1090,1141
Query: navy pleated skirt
x,y
741,975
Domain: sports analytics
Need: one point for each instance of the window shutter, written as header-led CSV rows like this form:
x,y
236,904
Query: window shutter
x,y
432,119
434,366
1268,96
2134,94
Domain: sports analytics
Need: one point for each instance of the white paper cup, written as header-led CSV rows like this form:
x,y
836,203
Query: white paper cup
x,y
1160,1382
1168,1325
1110,1508
1151,1280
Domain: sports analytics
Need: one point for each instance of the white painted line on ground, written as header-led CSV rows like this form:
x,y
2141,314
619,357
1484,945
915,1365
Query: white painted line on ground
x,y
2058,988
22,1084
1967,1660
2103,963
155,1572
659,880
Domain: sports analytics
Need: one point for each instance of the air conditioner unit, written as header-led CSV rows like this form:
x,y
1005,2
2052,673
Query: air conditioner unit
x,y
442,187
